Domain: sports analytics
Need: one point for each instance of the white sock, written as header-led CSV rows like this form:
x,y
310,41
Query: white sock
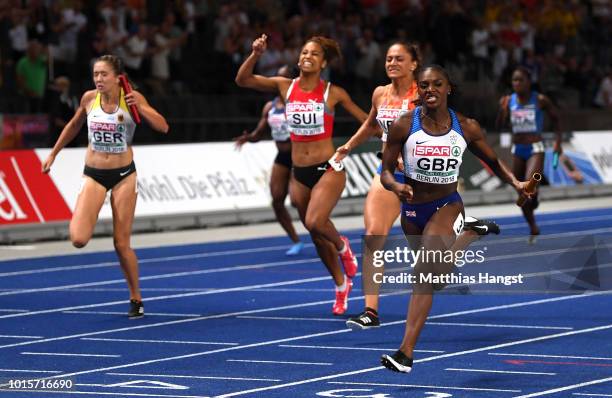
x,y
343,250
342,287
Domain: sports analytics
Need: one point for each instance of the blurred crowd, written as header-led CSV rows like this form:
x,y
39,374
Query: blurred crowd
x,y
190,47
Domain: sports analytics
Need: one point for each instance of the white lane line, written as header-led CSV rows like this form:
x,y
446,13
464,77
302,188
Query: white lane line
x,y
566,388
281,362
123,313
509,354
350,348
592,395
576,220
501,371
432,358
190,377
180,321
12,310
66,354
170,296
165,276
150,260
17,247
489,325
30,371
420,386
125,385
26,189
159,341
10,336
287,318
492,308
127,394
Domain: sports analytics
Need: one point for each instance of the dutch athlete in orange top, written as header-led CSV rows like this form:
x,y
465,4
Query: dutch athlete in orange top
x,y
525,110
273,116
432,139
109,164
317,181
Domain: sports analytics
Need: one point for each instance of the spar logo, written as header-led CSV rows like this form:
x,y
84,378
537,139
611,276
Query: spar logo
x,y
103,126
432,150
389,113
299,107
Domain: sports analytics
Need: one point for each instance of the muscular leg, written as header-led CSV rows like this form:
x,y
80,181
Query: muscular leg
x,y
88,205
301,197
123,202
323,199
380,212
279,187
535,164
437,235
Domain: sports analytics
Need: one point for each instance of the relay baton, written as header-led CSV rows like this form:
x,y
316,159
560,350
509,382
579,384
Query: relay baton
x,y
530,188
128,89
555,160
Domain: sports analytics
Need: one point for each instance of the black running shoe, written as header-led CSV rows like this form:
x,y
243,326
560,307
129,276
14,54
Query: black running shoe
x,y
366,320
397,362
481,227
136,309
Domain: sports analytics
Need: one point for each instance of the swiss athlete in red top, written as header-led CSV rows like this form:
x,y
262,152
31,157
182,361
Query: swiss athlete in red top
x,y
317,182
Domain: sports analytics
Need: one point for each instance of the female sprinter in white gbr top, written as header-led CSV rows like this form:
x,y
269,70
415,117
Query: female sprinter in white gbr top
x,y
316,182
109,164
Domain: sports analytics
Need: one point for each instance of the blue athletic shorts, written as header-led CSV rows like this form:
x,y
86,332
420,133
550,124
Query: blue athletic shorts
x,y
420,214
525,151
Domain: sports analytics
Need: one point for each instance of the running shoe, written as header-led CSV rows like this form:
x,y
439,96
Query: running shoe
x,y
295,249
481,227
136,309
368,319
397,362
341,304
349,261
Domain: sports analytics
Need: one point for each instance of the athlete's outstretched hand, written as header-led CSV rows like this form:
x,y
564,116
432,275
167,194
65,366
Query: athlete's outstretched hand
x,y
341,152
241,140
403,191
523,191
46,166
260,44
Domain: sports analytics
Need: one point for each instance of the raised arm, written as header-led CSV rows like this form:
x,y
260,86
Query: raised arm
x,y
71,129
246,78
153,118
256,134
398,133
553,114
367,129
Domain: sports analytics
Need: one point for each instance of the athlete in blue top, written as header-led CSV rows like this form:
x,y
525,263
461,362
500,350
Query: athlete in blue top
x,y
525,109
432,139
273,116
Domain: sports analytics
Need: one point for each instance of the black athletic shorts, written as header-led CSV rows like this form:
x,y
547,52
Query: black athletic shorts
x,y
108,178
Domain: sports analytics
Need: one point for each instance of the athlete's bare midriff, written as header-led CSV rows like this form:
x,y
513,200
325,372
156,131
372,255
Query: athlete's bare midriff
x,y
526,138
425,192
313,152
102,160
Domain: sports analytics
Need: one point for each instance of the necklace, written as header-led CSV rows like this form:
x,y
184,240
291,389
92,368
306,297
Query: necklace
x,y
445,126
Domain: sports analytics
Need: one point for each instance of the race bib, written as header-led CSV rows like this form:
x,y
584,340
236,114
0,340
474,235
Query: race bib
x,y
108,137
305,118
523,121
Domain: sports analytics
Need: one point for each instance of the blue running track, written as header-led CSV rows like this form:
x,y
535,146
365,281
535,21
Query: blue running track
x,y
239,318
